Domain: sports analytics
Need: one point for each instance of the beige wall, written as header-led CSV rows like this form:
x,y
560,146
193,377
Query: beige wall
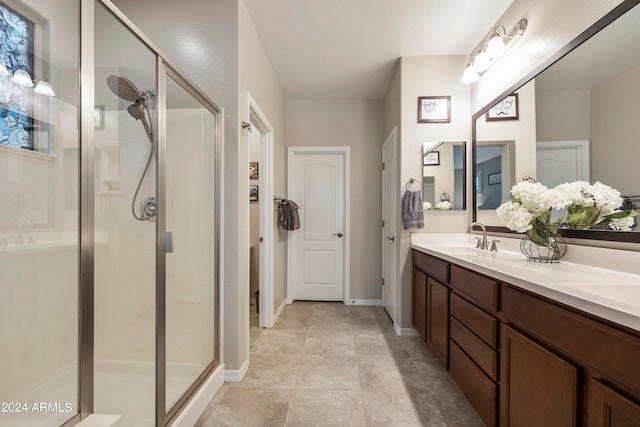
x,y
427,76
357,124
551,25
563,115
614,132
258,79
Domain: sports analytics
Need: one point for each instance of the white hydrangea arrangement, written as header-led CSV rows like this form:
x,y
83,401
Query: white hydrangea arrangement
x,y
584,206
441,206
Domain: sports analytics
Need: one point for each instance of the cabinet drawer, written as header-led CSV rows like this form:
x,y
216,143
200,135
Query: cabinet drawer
x,y
610,351
432,266
480,390
484,356
481,323
481,290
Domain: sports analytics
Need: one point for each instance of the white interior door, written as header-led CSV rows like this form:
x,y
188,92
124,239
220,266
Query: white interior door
x,y
389,205
562,161
317,250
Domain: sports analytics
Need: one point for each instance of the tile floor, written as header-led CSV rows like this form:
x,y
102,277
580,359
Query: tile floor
x,y
328,364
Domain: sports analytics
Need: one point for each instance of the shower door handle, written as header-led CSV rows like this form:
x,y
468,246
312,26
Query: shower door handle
x,y
169,242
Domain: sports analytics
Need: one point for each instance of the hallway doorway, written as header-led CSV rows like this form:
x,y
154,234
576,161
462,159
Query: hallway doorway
x,y
259,139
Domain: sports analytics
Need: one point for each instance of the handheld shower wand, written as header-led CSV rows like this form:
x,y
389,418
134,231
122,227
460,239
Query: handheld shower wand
x,y
126,90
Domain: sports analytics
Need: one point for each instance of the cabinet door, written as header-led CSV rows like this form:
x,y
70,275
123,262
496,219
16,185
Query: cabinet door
x,y
608,408
438,320
538,388
419,317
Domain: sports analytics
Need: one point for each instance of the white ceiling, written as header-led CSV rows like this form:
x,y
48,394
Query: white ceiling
x,y
349,48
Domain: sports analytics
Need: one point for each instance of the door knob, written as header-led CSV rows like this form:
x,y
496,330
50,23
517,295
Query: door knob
x,y
392,238
338,234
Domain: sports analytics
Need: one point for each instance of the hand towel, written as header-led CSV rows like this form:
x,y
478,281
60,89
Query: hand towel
x,y
412,213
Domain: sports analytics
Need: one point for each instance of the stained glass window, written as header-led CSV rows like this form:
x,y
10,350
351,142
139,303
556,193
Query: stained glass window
x,y
16,53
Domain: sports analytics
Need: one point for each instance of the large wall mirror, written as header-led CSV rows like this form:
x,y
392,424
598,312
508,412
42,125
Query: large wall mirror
x,y
443,175
577,119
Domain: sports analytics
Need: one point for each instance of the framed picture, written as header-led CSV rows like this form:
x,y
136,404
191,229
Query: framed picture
x,y
434,109
431,159
495,178
507,109
253,193
253,170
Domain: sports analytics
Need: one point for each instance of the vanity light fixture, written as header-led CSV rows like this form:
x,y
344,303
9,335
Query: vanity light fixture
x,y
499,41
22,78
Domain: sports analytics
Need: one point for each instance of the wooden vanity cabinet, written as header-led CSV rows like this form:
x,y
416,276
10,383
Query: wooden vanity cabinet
x,y
438,320
538,388
605,357
522,359
609,408
474,340
419,313
431,303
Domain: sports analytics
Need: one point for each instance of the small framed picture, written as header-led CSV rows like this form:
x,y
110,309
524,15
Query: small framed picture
x,y
434,109
507,109
253,193
253,170
431,159
495,178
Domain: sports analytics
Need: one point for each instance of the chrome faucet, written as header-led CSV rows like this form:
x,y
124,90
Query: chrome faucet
x,y
482,242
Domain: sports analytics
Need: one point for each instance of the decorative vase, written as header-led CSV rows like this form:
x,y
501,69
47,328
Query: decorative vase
x,y
542,245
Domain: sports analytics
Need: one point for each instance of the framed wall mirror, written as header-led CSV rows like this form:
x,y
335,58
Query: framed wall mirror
x,y
578,121
443,175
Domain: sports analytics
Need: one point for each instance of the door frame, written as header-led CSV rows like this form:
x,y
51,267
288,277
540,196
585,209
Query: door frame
x,y
390,223
345,151
259,120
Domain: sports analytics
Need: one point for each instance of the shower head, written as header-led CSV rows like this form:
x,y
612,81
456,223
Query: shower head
x,y
123,88
136,110
126,90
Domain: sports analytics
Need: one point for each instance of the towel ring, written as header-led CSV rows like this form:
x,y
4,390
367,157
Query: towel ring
x,y
413,181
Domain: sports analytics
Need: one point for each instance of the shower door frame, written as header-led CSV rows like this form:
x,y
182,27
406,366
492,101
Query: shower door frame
x,y
86,273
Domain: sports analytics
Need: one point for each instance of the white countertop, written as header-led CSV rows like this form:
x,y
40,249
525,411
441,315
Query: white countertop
x,y
609,294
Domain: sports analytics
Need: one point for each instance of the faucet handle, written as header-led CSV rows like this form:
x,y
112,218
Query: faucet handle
x,y
494,245
479,243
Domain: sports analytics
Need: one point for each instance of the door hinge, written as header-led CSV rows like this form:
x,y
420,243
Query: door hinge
x,y
382,165
383,281
383,223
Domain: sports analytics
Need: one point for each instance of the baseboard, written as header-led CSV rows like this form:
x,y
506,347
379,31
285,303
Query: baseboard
x,y
369,302
199,402
279,312
235,376
405,332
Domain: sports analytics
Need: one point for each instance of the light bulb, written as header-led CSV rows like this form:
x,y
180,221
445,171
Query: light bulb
x,y
496,46
44,88
482,61
22,78
470,74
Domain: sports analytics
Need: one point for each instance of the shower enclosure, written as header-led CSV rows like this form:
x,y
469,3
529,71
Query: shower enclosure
x,y
109,219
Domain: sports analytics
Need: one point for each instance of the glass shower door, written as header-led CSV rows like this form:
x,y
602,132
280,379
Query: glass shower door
x,y
191,267
125,227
